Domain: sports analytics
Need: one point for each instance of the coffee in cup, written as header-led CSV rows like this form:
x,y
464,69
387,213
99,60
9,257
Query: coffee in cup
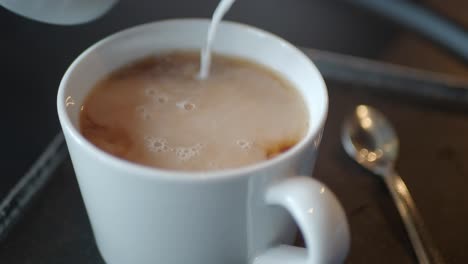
x,y
156,112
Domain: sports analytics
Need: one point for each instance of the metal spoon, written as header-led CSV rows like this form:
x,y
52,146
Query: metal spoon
x,y
369,139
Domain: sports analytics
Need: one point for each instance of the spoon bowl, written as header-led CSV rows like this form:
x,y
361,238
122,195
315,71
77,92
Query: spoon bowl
x,y
369,138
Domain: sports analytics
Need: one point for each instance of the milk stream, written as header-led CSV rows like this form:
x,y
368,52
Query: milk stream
x,y
205,56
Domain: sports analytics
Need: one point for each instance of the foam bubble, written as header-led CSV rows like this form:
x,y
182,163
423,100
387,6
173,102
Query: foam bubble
x,y
146,116
143,112
186,153
186,105
197,148
162,99
244,144
150,91
155,144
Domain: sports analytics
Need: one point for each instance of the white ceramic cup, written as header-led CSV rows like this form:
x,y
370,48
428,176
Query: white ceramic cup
x,y
245,215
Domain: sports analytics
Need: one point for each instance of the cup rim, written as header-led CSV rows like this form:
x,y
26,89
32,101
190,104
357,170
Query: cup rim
x,y
181,175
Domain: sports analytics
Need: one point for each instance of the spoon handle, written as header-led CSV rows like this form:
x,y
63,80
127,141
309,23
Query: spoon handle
x,y
423,246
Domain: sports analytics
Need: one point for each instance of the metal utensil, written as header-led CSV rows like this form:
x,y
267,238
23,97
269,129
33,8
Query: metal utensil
x,y
369,139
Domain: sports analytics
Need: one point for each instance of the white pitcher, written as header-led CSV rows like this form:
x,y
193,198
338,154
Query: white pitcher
x,y
60,12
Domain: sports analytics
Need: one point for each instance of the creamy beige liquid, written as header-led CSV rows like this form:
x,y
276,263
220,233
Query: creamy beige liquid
x,y
157,112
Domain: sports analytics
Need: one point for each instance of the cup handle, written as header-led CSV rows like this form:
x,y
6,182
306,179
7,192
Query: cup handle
x,y
320,218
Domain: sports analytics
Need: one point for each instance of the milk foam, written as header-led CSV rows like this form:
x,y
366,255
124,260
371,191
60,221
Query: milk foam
x,y
241,114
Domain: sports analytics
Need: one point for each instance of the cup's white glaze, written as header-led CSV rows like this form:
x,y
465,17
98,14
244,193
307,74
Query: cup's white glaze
x,y
62,12
146,215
